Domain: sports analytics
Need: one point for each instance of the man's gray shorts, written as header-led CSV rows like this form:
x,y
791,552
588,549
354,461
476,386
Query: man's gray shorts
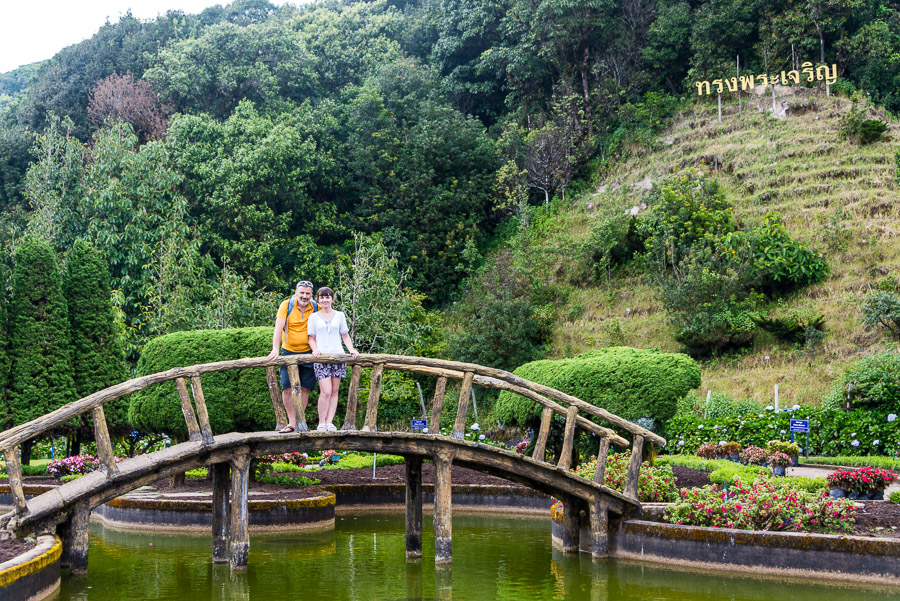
x,y
307,375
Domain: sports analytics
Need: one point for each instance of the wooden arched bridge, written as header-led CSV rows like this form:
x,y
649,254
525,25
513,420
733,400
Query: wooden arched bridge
x,y
66,509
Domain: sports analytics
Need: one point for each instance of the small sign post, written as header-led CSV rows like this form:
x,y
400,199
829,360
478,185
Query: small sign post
x,y
419,424
801,425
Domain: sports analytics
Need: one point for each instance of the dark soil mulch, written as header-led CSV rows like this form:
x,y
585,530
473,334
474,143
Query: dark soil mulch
x,y
14,547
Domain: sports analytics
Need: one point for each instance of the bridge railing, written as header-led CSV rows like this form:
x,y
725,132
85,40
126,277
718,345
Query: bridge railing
x,y
469,374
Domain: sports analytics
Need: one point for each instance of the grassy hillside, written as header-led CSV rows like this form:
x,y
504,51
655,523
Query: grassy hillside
x,y
839,198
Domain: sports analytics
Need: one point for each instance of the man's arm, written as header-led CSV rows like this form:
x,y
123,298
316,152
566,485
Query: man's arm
x,y
276,338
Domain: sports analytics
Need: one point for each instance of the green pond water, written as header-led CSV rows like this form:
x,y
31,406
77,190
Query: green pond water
x,y
364,559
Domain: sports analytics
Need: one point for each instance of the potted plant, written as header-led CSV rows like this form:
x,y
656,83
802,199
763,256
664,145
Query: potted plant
x,y
708,451
753,455
840,483
732,450
788,448
871,482
779,462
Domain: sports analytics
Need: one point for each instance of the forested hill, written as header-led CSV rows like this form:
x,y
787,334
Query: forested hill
x,y
217,158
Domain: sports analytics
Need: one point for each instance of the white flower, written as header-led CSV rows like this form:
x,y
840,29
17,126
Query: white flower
x,y
795,407
854,434
425,430
721,443
475,427
305,456
782,431
481,437
769,407
761,415
680,443
700,427
855,443
716,427
876,442
892,417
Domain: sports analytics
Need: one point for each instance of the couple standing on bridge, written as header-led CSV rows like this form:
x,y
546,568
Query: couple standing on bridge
x,y
304,326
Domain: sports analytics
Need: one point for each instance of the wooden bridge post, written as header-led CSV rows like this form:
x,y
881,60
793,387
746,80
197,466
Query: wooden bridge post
x,y
634,467
74,535
299,409
599,510
104,444
14,471
413,507
202,415
571,527
437,405
221,511
352,399
465,391
565,457
239,539
371,423
443,512
275,392
602,455
540,447
188,410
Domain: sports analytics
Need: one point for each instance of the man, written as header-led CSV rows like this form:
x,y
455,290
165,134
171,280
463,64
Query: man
x,y
294,313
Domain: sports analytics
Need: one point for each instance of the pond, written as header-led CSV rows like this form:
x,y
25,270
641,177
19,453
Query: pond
x,y
364,559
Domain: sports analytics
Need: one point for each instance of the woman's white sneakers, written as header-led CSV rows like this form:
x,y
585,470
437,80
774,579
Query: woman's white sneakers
x,y
326,428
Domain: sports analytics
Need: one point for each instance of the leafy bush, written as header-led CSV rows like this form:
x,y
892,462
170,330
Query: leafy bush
x,y
882,309
722,405
763,505
859,130
792,327
874,381
832,432
779,446
613,241
753,455
732,472
77,464
882,462
656,484
708,451
779,459
629,382
895,497
288,480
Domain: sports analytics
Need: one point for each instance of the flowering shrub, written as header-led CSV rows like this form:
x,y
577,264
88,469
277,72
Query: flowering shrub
x,y
708,451
656,484
779,459
327,456
779,446
77,464
299,459
754,455
764,505
831,431
520,448
865,479
731,448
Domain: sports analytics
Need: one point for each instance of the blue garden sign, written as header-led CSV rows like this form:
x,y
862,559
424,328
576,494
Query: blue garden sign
x,y
799,425
419,424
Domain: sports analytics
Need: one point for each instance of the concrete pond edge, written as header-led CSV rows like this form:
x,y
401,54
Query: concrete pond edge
x,y
35,574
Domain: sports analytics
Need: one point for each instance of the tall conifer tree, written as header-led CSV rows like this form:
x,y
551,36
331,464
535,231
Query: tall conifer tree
x,y
4,355
98,356
40,353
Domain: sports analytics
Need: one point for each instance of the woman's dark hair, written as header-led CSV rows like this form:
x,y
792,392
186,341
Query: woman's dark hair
x,y
325,291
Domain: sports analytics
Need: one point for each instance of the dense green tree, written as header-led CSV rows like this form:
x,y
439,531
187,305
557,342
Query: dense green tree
x,y
40,351
98,357
667,52
4,352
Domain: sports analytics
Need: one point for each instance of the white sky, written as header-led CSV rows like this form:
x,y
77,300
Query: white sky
x,y
34,30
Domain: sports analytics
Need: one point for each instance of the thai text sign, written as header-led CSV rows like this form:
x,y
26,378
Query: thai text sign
x,y
419,424
748,82
799,425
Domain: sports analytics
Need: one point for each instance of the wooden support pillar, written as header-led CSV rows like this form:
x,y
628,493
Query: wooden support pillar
x,y
371,422
299,409
465,392
104,444
274,384
221,511
413,507
188,410
540,447
565,458
571,529
634,467
352,399
202,415
75,539
437,405
14,471
599,511
602,455
443,512
239,539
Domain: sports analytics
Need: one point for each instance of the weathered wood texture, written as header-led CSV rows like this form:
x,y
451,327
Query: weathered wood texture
x,y
565,458
443,512
571,527
202,415
599,517
437,404
299,409
77,553
18,434
465,392
374,395
413,507
188,410
634,467
14,472
540,447
602,455
104,444
221,511
274,383
239,539
352,399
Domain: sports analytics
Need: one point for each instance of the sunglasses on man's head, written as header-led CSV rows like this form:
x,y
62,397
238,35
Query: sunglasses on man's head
x,y
304,283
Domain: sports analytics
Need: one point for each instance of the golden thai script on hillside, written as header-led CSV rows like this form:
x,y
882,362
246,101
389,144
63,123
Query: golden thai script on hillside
x,y
748,82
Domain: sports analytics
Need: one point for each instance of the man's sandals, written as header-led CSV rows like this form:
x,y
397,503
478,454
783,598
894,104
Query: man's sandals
x,y
287,430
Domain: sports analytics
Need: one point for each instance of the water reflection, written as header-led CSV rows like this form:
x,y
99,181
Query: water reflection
x,y
364,559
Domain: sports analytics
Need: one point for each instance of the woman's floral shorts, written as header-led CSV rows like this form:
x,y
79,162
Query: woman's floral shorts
x,y
330,370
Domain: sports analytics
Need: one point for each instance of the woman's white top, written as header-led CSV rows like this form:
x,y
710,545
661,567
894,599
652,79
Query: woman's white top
x,y
328,332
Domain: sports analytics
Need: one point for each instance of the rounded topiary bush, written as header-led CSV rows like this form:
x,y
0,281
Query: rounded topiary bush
x,y
237,400
631,383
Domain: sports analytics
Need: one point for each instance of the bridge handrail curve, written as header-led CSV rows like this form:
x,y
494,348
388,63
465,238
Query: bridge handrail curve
x,y
23,432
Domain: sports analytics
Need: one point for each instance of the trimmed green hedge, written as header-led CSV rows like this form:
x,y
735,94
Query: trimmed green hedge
x,y
237,400
632,383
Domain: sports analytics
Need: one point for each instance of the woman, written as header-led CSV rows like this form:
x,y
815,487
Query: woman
x,y
326,329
